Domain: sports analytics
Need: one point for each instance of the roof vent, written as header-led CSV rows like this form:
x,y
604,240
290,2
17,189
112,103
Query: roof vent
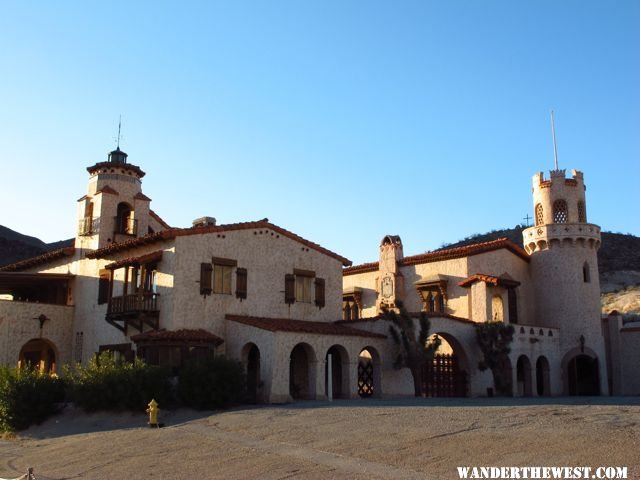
x,y
204,222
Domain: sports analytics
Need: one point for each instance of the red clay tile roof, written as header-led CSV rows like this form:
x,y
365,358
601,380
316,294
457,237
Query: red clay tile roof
x,y
158,219
39,260
142,260
413,314
440,255
178,232
107,189
300,326
490,279
178,336
115,166
142,196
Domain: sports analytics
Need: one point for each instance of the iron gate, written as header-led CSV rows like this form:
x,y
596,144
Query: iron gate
x,y
365,379
443,377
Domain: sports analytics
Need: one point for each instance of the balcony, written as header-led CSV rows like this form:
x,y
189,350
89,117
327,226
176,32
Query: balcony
x,y
126,226
88,226
134,310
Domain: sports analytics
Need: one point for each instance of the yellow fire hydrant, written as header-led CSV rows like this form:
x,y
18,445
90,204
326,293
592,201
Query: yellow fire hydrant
x,y
153,413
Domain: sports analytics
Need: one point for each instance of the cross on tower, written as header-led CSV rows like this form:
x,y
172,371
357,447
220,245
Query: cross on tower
x,y
528,219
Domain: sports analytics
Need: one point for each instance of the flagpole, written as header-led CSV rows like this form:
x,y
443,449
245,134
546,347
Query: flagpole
x,y
555,148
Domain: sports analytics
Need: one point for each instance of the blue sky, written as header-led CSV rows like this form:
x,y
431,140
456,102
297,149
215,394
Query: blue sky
x,y
340,120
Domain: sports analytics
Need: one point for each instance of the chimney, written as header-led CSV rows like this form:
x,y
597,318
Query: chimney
x,y
204,222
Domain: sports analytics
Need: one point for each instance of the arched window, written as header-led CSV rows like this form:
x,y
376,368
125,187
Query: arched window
x,y
497,309
125,223
539,215
586,274
560,212
582,212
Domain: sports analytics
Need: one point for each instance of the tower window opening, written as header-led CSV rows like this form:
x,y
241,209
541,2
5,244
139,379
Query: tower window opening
x,y
539,215
560,212
125,222
582,212
586,274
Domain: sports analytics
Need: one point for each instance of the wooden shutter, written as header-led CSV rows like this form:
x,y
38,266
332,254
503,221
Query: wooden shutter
x,y
205,278
319,292
512,298
103,289
241,283
289,288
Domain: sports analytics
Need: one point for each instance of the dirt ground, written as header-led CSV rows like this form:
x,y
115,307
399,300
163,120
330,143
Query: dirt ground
x,y
360,439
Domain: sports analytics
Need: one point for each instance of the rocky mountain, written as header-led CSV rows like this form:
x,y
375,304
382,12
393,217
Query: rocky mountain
x,y
15,246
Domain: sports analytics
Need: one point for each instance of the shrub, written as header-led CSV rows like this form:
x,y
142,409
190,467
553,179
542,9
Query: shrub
x,y
27,396
494,340
214,382
108,384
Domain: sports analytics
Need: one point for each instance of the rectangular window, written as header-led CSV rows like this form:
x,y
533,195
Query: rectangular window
x,y
241,283
319,284
222,273
303,288
205,278
222,279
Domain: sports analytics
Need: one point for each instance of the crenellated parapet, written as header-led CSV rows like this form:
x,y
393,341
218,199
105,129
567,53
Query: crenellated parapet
x,y
544,237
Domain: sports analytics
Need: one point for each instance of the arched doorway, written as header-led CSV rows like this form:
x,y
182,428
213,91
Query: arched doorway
x,y
446,374
339,372
39,354
583,378
369,377
251,358
523,376
301,375
543,386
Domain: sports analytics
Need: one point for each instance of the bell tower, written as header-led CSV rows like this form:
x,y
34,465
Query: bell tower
x,y
114,208
564,270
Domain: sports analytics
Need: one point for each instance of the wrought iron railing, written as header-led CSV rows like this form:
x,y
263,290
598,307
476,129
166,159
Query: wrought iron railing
x,y
134,303
126,226
88,226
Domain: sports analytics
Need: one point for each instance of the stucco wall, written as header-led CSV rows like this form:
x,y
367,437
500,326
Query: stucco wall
x,y
267,256
19,324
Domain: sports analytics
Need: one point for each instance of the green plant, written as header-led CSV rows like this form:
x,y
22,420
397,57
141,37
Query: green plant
x,y
109,384
214,382
27,396
414,351
494,340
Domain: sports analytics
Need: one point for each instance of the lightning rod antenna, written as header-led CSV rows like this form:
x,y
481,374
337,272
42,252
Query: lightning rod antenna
x,y
120,124
553,132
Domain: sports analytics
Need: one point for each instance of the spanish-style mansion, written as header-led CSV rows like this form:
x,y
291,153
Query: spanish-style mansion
x,y
304,322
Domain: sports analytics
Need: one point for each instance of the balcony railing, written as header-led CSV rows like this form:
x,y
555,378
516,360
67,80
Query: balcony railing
x,y
133,304
88,226
126,226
